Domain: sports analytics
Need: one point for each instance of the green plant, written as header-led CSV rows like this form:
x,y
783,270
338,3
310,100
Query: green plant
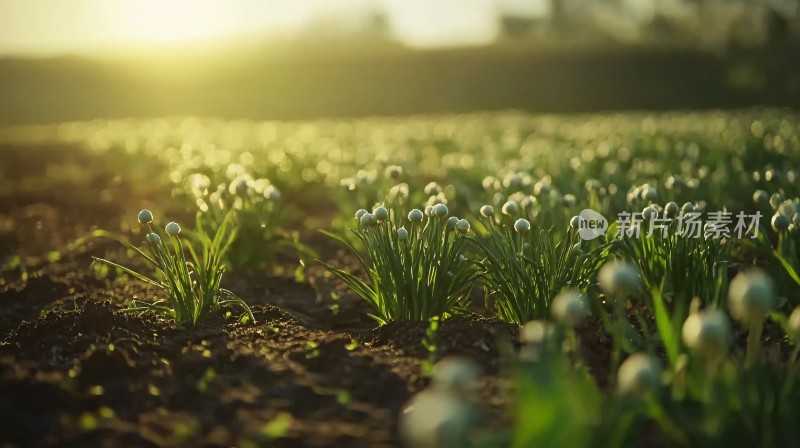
x,y
556,401
430,342
260,214
415,273
712,396
681,264
523,269
193,286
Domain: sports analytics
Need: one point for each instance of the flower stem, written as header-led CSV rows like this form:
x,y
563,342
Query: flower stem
x,y
754,341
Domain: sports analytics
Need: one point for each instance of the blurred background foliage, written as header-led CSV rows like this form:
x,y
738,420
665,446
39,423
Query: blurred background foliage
x,y
385,58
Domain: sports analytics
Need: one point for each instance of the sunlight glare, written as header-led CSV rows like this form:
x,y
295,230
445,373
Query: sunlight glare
x,y
174,20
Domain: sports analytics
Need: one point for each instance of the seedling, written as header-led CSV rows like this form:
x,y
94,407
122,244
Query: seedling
x,y
193,285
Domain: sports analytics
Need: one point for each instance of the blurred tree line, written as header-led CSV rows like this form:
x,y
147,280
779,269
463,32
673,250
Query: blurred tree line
x,y
715,25
583,56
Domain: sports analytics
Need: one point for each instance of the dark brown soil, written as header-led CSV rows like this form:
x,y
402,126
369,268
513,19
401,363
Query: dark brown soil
x,y
77,370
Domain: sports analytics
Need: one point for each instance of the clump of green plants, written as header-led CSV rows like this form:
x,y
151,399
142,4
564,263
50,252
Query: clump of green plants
x,y
710,392
259,211
523,269
193,284
414,273
676,254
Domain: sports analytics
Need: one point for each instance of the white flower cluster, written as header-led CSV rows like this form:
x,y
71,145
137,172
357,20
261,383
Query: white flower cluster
x,y
145,217
439,211
244,186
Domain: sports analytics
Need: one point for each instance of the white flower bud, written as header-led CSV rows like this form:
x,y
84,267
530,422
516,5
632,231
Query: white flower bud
x,y
687,208
145,217
788,209
619,278
510,208
394,171
241,186
398,194
487,211
541,188
639,374
522,225
415,215
440,210
451,223
428,210
402,234
367,220
569,200
455,374
512,180
381,214
172,228
432,189
671,209
650,194
361,212
751,295
462,226
649,213
794,324
593,185
575,222
707,332
780,222
490,183
435,419
535,332
153,239
272,193
761,197
775,200
570,307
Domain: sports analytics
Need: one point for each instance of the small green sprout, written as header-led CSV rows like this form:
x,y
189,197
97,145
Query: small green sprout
x,y
277,427
193,284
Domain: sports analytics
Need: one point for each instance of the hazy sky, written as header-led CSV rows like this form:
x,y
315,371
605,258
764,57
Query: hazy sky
x,y
57,26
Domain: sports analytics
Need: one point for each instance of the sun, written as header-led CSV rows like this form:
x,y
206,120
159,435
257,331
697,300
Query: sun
x,y
173,20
